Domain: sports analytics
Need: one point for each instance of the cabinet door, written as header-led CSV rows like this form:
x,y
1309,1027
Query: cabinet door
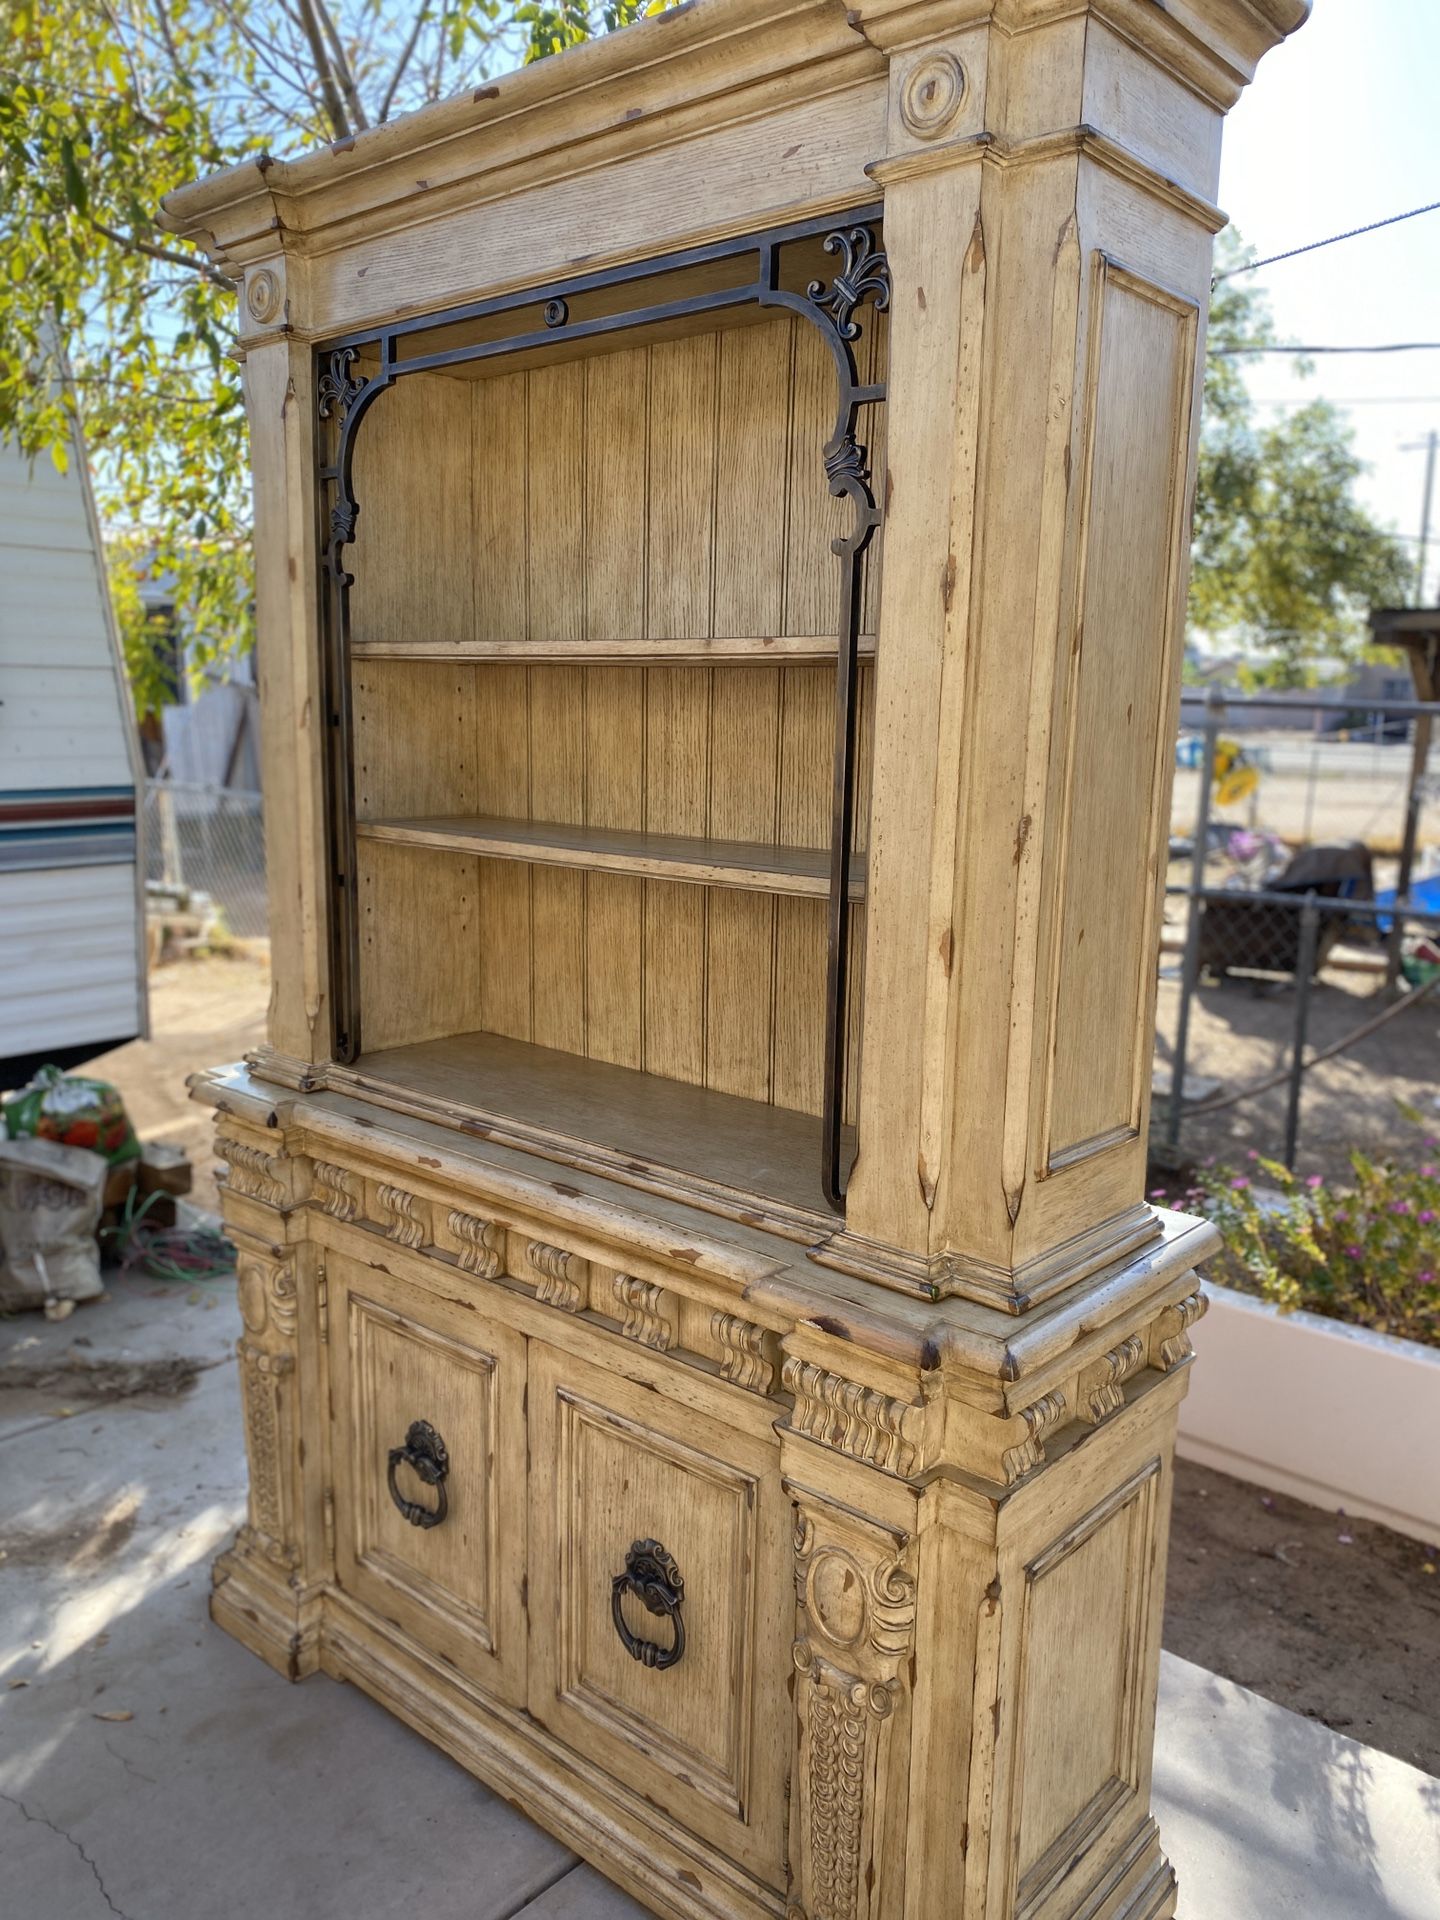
x,y
430,1471
622,1473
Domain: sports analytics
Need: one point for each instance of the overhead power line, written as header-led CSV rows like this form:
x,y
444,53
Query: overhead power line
x,y
1388,346
1350,400
1311,246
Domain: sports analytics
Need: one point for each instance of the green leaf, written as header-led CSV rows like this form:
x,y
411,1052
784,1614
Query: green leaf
x,y
76,191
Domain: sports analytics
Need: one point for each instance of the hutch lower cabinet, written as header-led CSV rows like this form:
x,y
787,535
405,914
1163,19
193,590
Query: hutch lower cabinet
x,y
721,500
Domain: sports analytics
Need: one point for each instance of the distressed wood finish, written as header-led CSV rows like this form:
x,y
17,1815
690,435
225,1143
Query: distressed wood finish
x,y
789,1567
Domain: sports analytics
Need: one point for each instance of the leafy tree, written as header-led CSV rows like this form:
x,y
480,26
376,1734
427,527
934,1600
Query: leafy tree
x,y
1285,559
105,107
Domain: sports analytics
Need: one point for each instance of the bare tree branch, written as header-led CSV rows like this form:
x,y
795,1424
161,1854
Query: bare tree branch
x,y
342,66
432,90
133,243
388,97
324,71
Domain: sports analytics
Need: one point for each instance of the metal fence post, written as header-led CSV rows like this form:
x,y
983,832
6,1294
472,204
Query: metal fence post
x,y
1309,942
1190,967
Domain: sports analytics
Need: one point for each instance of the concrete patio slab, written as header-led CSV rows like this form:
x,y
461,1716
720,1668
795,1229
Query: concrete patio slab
x,y
151,1769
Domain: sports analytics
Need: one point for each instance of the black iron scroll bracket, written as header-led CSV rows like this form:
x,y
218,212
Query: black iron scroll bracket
x,y
344,395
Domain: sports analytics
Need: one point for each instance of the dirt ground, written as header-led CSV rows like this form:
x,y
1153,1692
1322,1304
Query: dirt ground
x,y
1335,1619
1243,1030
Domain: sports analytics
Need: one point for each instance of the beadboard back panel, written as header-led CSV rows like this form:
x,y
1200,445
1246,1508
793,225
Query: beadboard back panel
x,y
600,502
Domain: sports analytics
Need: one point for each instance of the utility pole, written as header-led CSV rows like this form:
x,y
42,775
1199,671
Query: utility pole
x,y
1428,446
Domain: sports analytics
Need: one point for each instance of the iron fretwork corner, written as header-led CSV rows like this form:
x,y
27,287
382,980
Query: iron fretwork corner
x,y
343,397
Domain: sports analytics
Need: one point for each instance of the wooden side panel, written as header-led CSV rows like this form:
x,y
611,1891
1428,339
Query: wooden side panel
x,y
615,904
752,479
419,972
415,741
1105,895
1082,1690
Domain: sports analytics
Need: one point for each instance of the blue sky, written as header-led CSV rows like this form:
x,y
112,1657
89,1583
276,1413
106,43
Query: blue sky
x,y
1342,126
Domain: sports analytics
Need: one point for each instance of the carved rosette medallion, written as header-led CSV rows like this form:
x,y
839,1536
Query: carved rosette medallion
x,y
855,1624
932,94
264,296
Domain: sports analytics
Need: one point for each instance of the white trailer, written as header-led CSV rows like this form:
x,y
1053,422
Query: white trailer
x,y
72,966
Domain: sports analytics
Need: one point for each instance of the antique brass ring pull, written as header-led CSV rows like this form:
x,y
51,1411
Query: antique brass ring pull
x,y
424,1452
653,1577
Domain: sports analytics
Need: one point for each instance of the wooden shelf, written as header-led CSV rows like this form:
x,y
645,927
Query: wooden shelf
x,y
803,872
586,1113
786,649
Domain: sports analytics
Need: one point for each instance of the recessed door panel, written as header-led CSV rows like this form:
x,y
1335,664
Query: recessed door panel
x,y
430,1466
661,1602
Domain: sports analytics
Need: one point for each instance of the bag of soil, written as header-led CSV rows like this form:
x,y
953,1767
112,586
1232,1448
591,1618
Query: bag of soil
x,y
73,1112
50,1200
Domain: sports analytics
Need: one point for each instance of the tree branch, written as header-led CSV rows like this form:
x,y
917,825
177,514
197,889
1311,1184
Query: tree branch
x,y
401,64
134,244
342,65
324,72
142,105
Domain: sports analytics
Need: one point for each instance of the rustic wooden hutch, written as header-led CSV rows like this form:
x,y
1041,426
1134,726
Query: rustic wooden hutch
x,y
721,504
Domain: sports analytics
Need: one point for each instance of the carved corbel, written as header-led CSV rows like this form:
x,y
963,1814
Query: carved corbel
x,y
254,1172
643,1316
337,1189
482,1243
857,1420
401,1215
1036,1422
855,1629
562,1276
1102,1386
745,1352
1172,1329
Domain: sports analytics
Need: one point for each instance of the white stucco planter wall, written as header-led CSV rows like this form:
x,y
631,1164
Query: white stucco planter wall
x,y
1333,1414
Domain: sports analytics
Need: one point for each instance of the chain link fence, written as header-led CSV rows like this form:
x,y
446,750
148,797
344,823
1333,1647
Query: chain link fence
x,y
205,853
1299,1006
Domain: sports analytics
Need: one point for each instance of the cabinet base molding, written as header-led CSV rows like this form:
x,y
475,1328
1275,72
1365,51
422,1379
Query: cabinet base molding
x,y
264,1614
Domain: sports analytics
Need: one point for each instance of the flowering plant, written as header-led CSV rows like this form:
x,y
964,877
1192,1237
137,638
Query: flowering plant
x,y
1367,1252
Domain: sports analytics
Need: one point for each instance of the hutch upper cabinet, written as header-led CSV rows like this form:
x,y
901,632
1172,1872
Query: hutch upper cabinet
x,y
721,502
